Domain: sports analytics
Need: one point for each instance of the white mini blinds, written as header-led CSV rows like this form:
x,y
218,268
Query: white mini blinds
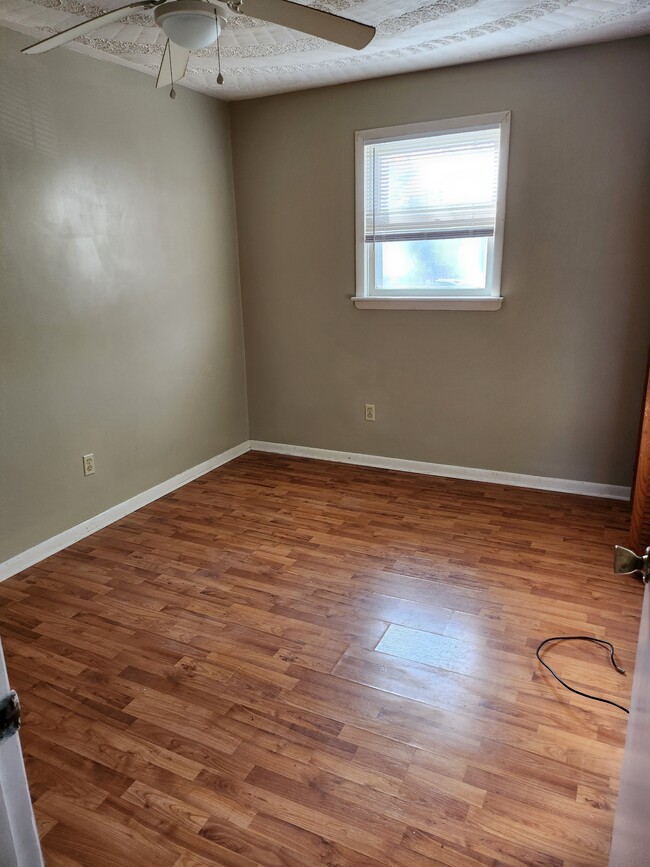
x,y
438,186
430,211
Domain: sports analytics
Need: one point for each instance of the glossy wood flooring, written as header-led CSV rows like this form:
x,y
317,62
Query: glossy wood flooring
x,y
293,663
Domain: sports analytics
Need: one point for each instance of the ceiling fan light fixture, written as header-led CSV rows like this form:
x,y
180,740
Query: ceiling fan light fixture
x,y
189,23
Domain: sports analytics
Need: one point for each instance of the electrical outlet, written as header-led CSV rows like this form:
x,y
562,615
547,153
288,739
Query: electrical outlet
x,y
370,412
89,465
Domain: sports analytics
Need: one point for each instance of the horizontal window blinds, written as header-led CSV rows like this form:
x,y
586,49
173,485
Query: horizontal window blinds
x,y
438,186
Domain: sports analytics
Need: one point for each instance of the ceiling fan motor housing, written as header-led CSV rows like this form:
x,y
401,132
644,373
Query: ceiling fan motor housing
x,y
189,23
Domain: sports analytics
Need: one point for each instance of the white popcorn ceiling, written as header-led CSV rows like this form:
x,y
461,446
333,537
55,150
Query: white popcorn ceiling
x,y
259,58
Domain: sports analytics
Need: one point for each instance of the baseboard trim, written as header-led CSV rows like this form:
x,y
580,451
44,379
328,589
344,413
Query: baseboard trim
x,y
87,528
520,480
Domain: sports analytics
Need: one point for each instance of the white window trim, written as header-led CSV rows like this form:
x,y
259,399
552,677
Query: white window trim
x,y
437,302
492,301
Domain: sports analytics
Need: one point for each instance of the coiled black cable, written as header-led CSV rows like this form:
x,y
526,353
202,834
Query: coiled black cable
x,y
600,641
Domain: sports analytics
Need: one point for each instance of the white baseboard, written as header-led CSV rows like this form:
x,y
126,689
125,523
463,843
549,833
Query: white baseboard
x,y
542,483
74,534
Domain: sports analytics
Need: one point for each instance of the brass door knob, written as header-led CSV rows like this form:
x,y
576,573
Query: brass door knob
x,y
626,562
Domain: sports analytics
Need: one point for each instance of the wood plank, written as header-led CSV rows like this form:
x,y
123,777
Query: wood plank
x,y
292,663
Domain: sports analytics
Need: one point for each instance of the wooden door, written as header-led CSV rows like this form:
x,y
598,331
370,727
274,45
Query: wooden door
x,y
640,523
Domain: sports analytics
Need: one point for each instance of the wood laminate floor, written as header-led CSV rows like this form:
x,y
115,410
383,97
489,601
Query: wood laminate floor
x,y
293,663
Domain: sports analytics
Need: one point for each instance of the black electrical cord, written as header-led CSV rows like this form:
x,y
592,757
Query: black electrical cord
x,y
600,641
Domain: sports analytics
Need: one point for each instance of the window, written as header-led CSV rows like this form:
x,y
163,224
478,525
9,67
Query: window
x,y
430,213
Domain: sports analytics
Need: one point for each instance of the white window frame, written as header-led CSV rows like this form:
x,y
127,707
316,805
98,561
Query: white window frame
x,y
491,299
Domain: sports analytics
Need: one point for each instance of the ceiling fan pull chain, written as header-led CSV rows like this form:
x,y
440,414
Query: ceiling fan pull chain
x,y
172,92
216,24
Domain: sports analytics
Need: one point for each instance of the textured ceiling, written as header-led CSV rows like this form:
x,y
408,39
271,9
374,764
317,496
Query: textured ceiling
x,y
259,58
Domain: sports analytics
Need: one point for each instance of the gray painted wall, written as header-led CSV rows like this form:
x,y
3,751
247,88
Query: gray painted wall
x,y
550,385
120,325
120,319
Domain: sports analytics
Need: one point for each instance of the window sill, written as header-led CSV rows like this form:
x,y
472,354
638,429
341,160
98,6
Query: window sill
x,y
414,302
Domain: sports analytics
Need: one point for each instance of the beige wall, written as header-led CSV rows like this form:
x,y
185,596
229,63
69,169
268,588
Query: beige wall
x,y
120,320
551,384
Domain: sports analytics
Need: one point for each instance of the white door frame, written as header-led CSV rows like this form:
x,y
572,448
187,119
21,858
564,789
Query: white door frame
x,y
19,845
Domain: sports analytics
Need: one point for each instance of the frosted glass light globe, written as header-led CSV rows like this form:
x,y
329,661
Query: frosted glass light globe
x,y
189,23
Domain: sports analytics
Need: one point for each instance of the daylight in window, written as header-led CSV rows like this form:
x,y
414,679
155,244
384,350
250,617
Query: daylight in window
x,y
433,208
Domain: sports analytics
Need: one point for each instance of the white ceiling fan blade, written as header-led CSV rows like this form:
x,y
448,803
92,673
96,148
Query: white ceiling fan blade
x,y
86,27
168,74
325,25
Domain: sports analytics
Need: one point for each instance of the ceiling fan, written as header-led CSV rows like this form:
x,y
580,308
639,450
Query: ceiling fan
x,y
192,24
